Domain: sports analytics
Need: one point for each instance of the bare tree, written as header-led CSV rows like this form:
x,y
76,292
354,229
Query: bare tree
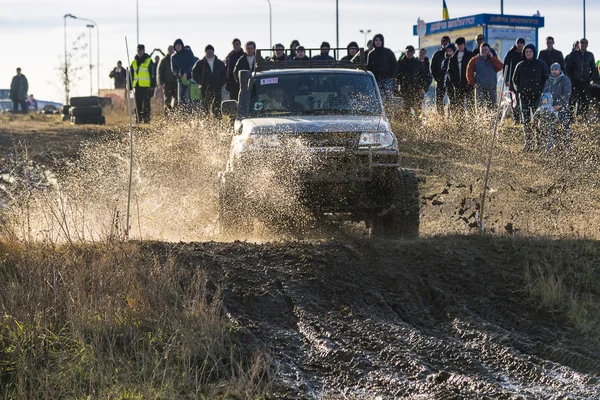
x,y
69,71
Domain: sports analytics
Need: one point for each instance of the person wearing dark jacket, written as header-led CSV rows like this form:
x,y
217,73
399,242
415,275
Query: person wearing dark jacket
x,y
278,53
234,55
460,92
424,61
528,80
551,55
209,73
512,58
574,48
246,62
167,80
582,70
18,92
143,83
119,74
181,64
300,54
382,62
411,82
293,46
438,75
450,50
324,56
352,50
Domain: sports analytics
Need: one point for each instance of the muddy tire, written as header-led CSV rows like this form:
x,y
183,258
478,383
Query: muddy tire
x,y
84,101
234,216
402,218
87,111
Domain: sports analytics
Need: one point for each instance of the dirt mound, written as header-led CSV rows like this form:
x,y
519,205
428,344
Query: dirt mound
x,y
444,317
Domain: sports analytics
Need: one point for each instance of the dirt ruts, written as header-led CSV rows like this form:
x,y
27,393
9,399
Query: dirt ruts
x,y
443,318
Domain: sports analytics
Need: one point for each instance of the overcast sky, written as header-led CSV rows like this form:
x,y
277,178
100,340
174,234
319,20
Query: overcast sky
x,y
34,29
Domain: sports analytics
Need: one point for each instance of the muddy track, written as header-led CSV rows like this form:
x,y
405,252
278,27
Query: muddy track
x,y
443,318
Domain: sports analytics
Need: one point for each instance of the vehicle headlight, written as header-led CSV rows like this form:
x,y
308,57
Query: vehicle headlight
x,y
256,142
376,140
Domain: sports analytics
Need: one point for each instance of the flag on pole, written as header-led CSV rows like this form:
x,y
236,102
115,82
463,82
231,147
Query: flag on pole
x,y
445,14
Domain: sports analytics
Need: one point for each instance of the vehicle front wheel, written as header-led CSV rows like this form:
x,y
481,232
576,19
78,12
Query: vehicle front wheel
x,y
401,219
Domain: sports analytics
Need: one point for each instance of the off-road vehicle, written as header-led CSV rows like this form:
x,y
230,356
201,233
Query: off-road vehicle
x,y
322,126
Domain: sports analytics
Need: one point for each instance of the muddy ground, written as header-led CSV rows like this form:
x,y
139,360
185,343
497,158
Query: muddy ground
x,y
446,316
442,318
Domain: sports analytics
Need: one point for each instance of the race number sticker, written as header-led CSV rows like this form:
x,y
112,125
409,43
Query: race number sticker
x,y
258,106
269,81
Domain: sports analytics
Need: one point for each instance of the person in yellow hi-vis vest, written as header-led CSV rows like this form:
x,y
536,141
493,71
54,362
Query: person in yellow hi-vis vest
x,y
144,82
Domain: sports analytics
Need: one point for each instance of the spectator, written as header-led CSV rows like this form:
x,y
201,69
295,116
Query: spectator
x,y
512,58
424,60
293,46
324,56
167,80
143,83
247,61
481,74
300,54
382,62
411,82
438,75
559,85
581,69
352,50
182,62
119,74
551,55
278,53
209,73
460,93
449,52
18,92
480,39
574,48
32,104
528,80
234,55
370,45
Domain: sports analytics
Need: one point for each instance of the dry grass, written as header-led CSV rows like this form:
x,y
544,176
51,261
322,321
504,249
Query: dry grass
x,y
114,320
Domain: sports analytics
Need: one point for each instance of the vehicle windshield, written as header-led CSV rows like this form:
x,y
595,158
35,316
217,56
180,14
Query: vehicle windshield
x,y
314,94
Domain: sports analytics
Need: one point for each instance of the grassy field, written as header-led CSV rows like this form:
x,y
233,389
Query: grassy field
x,y
109,320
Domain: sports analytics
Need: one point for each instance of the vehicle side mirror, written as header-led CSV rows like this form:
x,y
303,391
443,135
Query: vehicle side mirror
x,y
229,108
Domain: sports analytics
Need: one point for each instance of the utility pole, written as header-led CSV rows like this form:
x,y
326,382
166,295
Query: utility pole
x,y
502,7
337,24
584,19
66,62
90,26
137,19
270,25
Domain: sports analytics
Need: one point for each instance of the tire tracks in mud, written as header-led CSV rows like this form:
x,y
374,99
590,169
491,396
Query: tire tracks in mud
x,y
440,317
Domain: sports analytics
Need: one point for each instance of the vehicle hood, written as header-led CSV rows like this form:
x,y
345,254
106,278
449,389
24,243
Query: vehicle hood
x,y
308,124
